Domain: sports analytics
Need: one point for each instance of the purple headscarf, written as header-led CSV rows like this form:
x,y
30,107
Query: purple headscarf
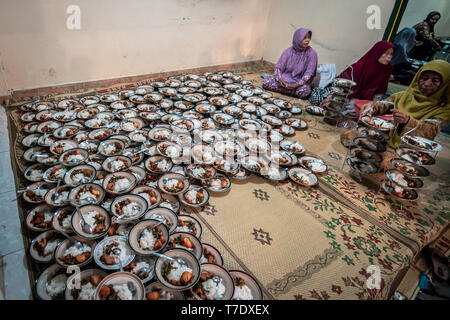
x,y
297,64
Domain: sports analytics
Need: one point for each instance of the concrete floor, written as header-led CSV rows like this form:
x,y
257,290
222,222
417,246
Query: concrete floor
x,y
14,281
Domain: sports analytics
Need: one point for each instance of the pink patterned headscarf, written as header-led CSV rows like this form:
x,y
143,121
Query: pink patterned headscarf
x,y
297,64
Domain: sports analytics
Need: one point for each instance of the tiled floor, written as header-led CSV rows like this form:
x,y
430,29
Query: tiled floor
x,y
14,281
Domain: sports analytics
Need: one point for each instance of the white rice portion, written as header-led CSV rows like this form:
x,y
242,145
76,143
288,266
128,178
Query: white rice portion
x,y
242,293
66,223
177,271
147,240
212,293
123,292
117,165
121,184
130,210
90,217
74,251
74,157
129,126
50,247
109,149
56,285
139,266
87,292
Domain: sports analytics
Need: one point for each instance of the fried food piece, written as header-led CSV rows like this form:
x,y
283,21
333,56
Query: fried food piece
x,y
95,279
82,257
105,291
154,295
186,277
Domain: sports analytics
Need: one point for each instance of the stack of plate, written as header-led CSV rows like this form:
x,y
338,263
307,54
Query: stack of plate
x,y
341,89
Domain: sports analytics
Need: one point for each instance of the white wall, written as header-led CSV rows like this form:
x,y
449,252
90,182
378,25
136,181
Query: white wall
x,y
124,38
417,10
340,35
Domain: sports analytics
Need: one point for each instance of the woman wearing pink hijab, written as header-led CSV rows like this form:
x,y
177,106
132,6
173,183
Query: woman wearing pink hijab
x,y
296,67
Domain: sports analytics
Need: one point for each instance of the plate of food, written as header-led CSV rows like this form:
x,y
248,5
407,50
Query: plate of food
x,y
421,144
165,215
190,225
361,166
303,177
218,183
254,164
58,197
156,291
223,118
35,172
66,132
158,164
195,196
281,158
116,163
119,182
409,168
208,123
215,283
60,146
89,193
143,267
369,144
186,241
365,155
169,149
42,247
417,157
194,97
88,113
173,183
403,180
211,255
245,92
292,146
398,192
48,126
210,136
69,253
377,123
316,165
88,281
272,120
51,283
200,172
179,274
148,236
203,154
91,221
45,115
274,173
226,165
31,127
257,145
160,133
128,207
315,110
245,286
296,123
62,219
120,286
345,83
227,148
35,193
248,124
80,174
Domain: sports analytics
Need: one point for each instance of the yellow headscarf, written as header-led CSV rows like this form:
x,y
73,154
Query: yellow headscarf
x,y
420,106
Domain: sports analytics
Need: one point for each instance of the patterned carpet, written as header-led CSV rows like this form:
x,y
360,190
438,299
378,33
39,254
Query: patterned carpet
x,y
312,243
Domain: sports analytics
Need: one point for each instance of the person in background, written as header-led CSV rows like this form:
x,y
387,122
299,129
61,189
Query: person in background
x,y
426,42
423,109
371,74
403,71
295,69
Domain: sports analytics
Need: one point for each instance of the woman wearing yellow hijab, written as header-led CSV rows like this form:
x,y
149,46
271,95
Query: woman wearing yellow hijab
x,y
427,97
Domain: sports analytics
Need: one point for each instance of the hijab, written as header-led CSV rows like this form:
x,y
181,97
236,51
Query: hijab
x,y
297,62
403,42
431,15
420,106
371,77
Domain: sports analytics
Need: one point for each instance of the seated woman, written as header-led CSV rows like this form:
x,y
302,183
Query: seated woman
x,y
403,71
371,74
296,67
426,42
427,98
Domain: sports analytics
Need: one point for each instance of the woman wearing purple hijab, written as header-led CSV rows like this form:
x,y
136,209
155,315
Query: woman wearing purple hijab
x,y
296,68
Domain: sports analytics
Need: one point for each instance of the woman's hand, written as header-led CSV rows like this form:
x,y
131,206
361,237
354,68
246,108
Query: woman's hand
x,y
400,116
283,84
